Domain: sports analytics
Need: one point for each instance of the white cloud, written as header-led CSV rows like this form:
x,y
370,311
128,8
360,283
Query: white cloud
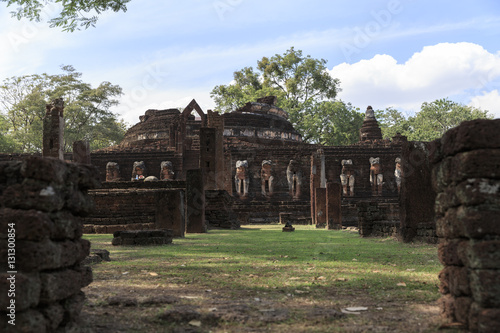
x,y
488,101
438,71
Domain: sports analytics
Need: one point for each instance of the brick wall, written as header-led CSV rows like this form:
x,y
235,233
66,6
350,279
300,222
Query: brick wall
x,y
379,219
43,199
134,206
466,177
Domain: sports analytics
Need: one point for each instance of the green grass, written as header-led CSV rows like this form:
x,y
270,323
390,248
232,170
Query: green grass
x,y
309,262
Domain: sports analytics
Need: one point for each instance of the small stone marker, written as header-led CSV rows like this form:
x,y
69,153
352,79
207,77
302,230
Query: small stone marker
x,y
288,227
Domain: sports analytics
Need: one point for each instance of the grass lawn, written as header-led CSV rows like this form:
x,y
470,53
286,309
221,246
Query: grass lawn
x,y
259,279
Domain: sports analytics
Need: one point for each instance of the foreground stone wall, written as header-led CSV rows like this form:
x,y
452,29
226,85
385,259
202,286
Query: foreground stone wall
x,y
41,200
466,177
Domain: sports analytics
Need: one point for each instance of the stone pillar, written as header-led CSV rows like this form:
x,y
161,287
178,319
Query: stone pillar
x,y
216,121
40,202
417,195
53,130
466,177
170,212
321,208
81,152
195,202
323,169
314,183
208,159
334,206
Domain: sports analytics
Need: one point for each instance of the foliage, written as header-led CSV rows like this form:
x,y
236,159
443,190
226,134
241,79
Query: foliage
x,y
73,14
332,123
6,142
392,121
433,120
301,83
87,115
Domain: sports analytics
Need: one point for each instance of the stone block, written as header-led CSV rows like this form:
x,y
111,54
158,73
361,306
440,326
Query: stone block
x,y
54,315
27,290
462,308
447,307
450,252
455,281
486,287
170,212
59,285
483,254
334,206
471,135
195,202
26,322
66,226
33,195
479,221
482,163
73,306
478,191
30,224
36,256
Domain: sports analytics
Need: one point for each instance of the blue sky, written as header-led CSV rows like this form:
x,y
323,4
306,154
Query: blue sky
x,y
388,53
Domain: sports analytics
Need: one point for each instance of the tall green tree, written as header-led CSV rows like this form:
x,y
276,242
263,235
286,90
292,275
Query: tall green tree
x,y
73,13
87,110
332,123
300,82
431,122
437,117
392,121
6,143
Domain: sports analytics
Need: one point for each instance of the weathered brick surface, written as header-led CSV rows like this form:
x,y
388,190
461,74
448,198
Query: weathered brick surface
x,y
379,219
466,178
44,199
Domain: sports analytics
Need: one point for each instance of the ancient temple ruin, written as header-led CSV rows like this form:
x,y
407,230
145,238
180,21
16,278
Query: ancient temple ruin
x,y
254,168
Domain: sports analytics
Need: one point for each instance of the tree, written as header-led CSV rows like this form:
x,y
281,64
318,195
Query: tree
x,y
301,84
332,123
433,120
6,143
87,115
392,121
437,117
74,13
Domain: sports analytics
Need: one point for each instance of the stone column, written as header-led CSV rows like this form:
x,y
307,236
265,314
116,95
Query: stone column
x,y
208,161
41,201
81,152
195,202
334,206
215,120
321,208
417,196
170,212
53,130
466,178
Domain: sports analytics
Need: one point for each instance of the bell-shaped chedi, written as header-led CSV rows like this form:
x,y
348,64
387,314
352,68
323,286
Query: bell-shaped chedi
x,y
370,130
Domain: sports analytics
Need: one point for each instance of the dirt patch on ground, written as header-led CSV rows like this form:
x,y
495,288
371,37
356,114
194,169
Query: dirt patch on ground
x,y
186,308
